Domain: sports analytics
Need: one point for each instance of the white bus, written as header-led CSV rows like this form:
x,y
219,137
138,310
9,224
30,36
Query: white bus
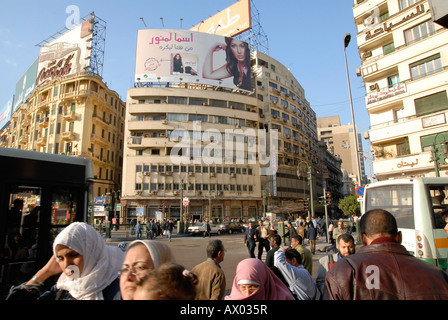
x,y
417,204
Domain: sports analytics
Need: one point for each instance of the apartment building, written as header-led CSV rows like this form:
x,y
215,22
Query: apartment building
x,y
76,115
160,171
404,59
340,141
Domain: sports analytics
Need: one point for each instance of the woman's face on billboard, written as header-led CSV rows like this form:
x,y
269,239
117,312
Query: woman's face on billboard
x,y
238,49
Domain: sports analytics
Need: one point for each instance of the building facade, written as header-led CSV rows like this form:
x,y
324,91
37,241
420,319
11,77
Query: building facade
x,y
170,127
404,59
75,115
340,141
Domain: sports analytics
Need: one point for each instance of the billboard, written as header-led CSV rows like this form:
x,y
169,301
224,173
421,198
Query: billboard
x,y
65,55
193,57
5,113
229,22
25,86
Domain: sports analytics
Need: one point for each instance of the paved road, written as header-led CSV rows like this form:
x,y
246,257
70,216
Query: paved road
x,y
191,250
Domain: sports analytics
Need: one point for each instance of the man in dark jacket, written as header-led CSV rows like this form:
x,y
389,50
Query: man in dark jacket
x,y
383,269
250,238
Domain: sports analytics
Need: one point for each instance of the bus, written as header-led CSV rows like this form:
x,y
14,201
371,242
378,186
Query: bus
x,y
40,194
417,205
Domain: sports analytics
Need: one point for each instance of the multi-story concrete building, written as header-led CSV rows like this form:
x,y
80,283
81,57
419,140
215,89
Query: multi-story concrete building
x,y
76,115
404,58
340,141
160,116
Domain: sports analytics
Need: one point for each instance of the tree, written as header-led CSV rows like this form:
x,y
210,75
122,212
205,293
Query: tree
x,y
350,205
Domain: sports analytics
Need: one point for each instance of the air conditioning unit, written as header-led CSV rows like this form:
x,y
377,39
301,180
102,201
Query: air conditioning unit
x,y
191,174
219,193
213,174
176,193
169,173
154,192
146,173
262,115
139,192
164,122
232,175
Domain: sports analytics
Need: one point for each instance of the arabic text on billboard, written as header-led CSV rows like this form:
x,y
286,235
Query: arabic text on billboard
x,y
192,57
229,22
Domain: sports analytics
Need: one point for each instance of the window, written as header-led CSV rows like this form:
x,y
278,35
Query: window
x,y
393,81
198,117
426,67
177,100
177,117
419,32
273,85
389,48
432,103
407,3
218,103
274,99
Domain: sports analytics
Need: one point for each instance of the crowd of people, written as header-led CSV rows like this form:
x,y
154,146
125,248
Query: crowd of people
x,y
381,269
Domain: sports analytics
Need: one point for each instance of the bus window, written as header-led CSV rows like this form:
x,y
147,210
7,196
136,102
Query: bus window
x,y
397,199
20,247
438,196
63,207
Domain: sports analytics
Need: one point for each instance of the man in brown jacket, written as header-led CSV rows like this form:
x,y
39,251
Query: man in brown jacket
x,y
211,279
383,269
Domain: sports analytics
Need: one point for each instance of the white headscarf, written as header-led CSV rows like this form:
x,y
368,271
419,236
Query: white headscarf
x,y
101,262
159,251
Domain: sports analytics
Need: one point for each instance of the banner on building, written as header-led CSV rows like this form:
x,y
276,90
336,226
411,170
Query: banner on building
x,y
228,22
192,57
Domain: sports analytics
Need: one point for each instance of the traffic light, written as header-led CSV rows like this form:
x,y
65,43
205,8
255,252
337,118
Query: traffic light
x,y
305,205
322,200
328,198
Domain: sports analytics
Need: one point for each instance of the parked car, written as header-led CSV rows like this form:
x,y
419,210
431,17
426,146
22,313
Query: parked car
x,y
230,227
201,228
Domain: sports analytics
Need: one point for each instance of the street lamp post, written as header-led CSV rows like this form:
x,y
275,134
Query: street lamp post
x,y
347,38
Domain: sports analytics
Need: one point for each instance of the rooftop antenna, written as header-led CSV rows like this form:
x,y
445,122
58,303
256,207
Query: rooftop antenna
x,y
181,19
163,25
141,18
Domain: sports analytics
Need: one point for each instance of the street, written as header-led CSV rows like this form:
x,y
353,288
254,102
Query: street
x,y
191,250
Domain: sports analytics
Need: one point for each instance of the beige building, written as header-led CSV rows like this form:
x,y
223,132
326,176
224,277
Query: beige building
x,y
160,117
404,58
76,115
340,141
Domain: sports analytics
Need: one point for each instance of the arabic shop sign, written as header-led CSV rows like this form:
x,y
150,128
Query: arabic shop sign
x,y
403,164
387,27
385,93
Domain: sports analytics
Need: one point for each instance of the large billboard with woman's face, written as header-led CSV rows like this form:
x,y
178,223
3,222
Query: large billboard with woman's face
x,y
192,57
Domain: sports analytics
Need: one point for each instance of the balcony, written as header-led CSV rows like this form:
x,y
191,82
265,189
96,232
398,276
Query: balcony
x,y
43,122
98,140
42,141
68,135
71,116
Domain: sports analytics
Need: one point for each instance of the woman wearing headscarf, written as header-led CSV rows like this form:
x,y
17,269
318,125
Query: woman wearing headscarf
x,y
88,266
141,256
255,281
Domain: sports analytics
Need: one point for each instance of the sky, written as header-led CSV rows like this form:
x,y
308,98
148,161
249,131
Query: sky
x,y
305,36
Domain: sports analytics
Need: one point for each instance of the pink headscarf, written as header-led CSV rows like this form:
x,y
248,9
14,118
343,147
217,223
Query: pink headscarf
x,y
271,287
